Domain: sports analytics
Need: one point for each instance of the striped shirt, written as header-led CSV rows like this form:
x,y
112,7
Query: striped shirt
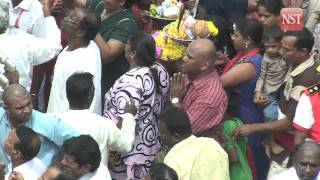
x,y
205,102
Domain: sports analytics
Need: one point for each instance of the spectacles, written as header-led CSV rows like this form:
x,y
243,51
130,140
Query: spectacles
x,y
72,20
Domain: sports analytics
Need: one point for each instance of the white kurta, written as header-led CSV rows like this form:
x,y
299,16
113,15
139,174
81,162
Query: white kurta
x,y
102,173
69,62
27,16
25,50
103,130
32,169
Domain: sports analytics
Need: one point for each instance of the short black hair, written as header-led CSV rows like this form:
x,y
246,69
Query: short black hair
x,y
84,149
273,6
160,171
29,142
304,37
272,32
79,87
176,120
249,27
90,23
65,172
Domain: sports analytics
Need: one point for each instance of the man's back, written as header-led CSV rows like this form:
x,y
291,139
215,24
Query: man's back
x,y
198,159
102,130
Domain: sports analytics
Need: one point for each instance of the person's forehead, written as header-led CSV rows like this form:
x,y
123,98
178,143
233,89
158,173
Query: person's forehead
x,y
288,41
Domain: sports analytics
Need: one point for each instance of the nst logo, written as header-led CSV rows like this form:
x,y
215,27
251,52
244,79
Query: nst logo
x,y
291,19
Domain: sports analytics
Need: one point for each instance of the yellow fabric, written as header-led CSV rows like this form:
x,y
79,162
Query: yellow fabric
x,y
198,158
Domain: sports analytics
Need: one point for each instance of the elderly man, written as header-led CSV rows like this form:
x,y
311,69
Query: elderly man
x,y
23,145
193,158
25,50
200,93
18,111
81,54
306,163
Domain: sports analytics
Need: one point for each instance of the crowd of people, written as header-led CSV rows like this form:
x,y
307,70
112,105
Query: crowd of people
x,y
86,97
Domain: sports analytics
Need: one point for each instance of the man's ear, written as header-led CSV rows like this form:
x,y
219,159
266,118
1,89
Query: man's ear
x,y
81,32
304,51
176,137
205,65
17,155
86,168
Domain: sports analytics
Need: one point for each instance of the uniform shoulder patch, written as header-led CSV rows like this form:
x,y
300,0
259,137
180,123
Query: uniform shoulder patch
x,y
313,89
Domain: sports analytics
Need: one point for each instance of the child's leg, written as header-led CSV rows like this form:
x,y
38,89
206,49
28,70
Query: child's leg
x,y
271,112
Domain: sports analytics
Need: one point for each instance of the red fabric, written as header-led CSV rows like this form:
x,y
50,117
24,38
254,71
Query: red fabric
x,y
299,128
251,163
286,140
205,102
143,25
315,102
240,56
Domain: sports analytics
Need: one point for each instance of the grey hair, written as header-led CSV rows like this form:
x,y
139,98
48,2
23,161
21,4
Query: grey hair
x,y
4,16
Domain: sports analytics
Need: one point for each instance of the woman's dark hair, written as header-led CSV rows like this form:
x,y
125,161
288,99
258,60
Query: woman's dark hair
x,y
273,6
65,172
144,46
249,27
161,171
273,32
29,142
176,120
84,149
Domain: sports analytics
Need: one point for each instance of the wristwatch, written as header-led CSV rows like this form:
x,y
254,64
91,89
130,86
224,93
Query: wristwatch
x,y
175,100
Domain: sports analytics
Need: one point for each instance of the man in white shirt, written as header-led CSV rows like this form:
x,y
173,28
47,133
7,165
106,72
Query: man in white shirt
x,y
81,54
25,50
83,155
26,15
80,89
22,145
306,163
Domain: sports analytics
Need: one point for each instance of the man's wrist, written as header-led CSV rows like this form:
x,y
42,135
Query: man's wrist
x,y
175,100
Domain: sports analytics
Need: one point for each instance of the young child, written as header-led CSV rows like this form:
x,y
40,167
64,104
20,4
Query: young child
x,y
273,73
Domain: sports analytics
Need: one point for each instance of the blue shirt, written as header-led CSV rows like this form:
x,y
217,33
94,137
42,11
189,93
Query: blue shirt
x,y
53,133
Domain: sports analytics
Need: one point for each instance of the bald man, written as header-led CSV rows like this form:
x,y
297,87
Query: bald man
x,y
198,90
18,111
306,163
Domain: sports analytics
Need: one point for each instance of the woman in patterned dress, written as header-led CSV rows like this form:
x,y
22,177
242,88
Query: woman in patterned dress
x,y
146,83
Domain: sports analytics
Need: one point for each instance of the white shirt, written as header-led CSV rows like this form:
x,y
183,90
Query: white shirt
x,y
103,130
304,114
25,50
290,174
69,62
28,16
30,170
102,173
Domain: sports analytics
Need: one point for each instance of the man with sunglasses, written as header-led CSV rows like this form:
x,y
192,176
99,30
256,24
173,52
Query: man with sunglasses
x,y
81,55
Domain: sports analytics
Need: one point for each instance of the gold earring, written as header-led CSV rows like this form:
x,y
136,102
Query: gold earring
x,y
246,45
